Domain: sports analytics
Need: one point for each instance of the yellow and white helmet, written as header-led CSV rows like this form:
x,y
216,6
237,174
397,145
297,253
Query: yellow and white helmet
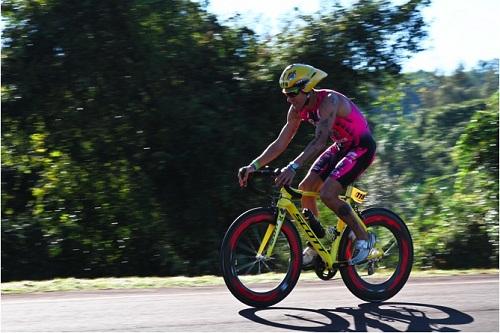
x,y
300,77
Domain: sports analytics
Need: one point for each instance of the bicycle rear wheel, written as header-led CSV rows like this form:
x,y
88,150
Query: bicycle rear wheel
x,y
380,278
260,281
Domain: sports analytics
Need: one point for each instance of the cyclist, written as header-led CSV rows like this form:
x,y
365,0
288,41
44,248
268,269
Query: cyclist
x,y
335,116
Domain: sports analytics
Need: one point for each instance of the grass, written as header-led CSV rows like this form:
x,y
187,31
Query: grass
x,y
73,284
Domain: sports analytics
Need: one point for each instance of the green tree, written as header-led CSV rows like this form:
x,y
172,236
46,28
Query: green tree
x,y
124,123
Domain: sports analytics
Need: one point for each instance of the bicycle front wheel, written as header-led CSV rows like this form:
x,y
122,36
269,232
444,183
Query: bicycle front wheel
x,y
382,276
260,280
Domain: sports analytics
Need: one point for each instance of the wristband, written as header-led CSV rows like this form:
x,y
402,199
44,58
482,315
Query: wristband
x,y
256,165
294,166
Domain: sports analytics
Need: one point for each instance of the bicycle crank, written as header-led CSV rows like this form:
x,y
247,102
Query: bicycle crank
x,y
321,271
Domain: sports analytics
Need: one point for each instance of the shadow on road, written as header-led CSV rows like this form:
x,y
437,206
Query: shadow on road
x,y
379,316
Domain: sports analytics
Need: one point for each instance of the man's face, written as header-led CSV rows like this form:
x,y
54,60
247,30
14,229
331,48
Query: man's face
x,y
296,98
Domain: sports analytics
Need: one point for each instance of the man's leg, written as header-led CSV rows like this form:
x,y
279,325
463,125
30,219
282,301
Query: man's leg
x,y
330,196
312,183
364,242
319,171
349,168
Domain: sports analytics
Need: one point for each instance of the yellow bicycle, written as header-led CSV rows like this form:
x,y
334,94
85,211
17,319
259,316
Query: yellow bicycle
x,y
261,253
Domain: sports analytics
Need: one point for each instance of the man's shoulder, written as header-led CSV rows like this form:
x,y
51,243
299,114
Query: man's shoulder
x,y
329,97
293,114
324,92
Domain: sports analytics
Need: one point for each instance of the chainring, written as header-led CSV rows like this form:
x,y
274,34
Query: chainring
x,y
321,271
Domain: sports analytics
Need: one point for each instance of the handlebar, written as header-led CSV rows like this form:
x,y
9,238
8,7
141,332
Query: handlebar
x,y
272,174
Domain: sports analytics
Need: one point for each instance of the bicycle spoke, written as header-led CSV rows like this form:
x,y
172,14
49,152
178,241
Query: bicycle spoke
x,y
267,266
392,244
244,258
250,248
258,236
250,265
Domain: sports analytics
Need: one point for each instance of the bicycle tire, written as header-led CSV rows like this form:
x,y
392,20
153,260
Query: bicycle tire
x,y
239,239
393,234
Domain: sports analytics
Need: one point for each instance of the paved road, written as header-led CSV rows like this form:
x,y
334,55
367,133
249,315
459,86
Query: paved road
x,y
425,304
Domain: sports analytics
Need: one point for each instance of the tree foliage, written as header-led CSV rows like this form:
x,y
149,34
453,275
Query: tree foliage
x,y
124,122
442,158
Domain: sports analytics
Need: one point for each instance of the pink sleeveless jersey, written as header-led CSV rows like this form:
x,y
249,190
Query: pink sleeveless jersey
x,y
345,130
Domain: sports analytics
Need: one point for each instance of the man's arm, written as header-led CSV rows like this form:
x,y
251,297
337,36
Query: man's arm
x,y
328,112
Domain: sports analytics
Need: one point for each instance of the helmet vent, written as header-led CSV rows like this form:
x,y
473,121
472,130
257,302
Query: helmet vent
x,y
291,75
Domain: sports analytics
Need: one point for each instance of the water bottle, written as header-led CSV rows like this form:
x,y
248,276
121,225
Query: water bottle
x,y
316,227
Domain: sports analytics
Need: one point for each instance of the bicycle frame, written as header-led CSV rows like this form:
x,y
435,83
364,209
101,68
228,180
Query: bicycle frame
x,y
285,205
266,241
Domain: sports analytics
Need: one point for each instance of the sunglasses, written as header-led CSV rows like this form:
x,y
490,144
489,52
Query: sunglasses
x,y
292,92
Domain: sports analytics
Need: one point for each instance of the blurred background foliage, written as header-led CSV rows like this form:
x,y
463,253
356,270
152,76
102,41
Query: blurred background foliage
x,y
124,124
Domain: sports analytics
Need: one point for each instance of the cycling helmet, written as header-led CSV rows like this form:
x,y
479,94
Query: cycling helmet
x,y
300,77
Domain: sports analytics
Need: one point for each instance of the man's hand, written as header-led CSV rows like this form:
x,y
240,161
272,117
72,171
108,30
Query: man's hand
x,y
243,174
285,177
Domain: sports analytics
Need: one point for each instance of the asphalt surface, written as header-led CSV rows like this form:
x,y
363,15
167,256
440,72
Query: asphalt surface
x,y
458,303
